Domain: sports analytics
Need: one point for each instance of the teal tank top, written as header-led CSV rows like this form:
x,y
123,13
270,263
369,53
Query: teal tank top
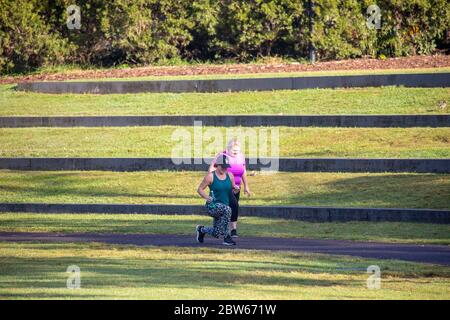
x,y
221,189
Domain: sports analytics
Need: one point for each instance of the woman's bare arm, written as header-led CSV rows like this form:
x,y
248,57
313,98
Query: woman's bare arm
x,y
245,182
207,180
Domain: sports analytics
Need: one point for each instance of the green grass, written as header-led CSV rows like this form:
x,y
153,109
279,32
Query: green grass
x,y
394,190
385,100
38,271
158,142
390,232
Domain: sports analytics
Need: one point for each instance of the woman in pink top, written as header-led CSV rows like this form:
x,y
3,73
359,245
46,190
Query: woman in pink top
x,y
237,168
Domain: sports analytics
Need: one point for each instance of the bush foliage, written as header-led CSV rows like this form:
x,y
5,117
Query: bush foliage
x,y
34,33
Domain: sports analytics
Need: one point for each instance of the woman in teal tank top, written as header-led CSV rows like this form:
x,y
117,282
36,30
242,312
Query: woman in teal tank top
x,y
220,183
220,189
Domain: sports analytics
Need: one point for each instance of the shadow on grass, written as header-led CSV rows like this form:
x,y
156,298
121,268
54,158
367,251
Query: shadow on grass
x,y
106,273
390,191
248,226
43,295
394,190
58,184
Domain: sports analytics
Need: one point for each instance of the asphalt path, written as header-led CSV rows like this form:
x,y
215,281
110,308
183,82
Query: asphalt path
x,y
436,254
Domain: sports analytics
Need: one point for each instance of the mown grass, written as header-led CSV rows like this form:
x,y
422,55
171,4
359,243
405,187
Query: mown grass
x,y
390,232
395,190
162,141
384,100
38,271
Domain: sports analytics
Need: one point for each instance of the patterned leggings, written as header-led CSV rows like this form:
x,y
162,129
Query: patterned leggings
x,y
221,215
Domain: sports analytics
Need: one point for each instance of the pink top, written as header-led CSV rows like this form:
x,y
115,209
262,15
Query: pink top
x,y
237,166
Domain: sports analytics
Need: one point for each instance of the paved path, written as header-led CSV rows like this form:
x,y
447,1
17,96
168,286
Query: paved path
x,y
418,253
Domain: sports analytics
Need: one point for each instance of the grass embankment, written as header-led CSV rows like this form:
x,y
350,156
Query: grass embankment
x,y
161,141
385,100
389,232
392,190
38,271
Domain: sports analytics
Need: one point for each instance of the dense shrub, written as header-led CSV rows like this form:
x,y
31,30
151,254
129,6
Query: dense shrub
x,y
340,30
147,30
408,27
247,29
412,27
34,33
26,40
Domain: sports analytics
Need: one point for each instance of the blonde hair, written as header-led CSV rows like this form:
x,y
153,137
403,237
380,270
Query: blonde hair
x,y
233,142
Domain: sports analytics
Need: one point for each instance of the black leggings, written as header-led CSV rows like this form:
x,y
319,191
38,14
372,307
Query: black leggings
x,y
234,204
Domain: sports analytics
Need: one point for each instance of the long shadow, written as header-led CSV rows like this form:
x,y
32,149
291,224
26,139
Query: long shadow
x,y
92,193
377,190
149,224
382,190
52,296
55,184
102,273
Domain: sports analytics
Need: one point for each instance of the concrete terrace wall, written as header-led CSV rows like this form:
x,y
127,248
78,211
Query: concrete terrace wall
x,y
313,214
425,80
284,164
375,121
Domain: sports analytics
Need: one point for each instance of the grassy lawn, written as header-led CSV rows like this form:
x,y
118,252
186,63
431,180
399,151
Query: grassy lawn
x,y
385,100
391,232
38,271
158,142
394,190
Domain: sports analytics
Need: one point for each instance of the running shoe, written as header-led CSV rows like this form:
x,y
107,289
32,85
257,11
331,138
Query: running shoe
x,y
200,234
234,233
228,241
